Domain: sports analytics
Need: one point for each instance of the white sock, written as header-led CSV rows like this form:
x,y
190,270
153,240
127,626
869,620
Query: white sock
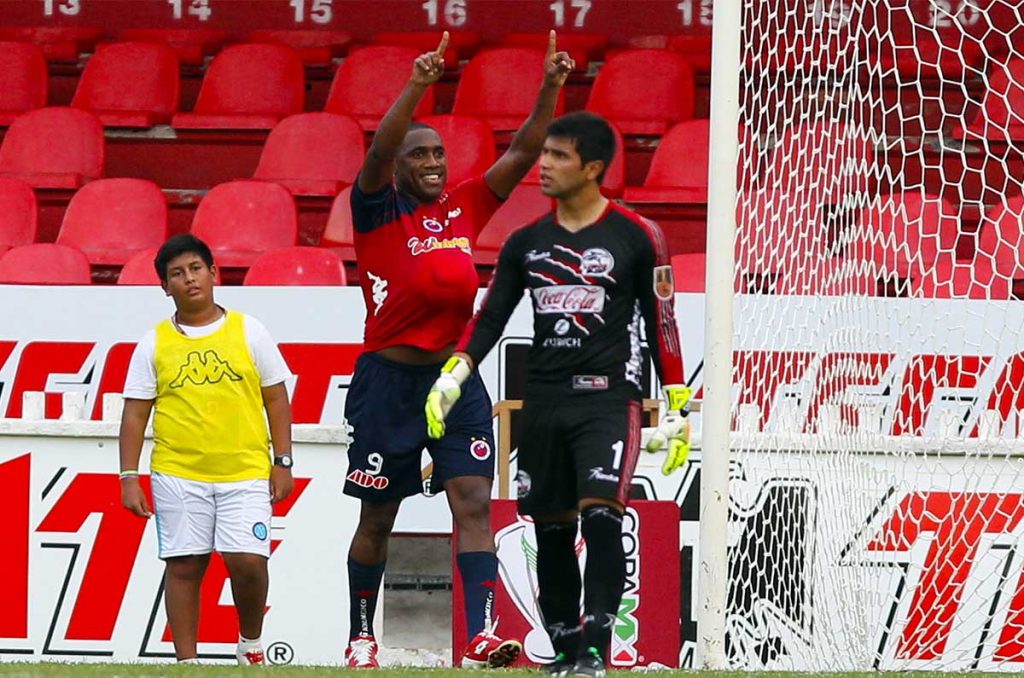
x,y
191,660
247,643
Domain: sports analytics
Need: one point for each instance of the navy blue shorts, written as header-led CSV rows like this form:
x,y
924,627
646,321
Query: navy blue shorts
x,y
384,406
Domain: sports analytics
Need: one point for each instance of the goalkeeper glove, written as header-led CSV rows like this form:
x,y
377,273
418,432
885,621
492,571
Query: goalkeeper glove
x,y
673,429
445,393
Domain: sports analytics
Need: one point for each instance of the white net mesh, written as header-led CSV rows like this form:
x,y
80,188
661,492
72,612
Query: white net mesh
x,y
877,482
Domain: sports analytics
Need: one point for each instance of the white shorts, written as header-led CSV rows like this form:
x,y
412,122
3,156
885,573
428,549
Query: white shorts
x,y
195,517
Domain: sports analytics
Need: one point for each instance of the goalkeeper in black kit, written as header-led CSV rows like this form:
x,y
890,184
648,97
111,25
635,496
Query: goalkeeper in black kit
x,y
593,270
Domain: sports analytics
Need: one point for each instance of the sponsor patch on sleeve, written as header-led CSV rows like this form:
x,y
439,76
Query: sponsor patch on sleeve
x,y
664,284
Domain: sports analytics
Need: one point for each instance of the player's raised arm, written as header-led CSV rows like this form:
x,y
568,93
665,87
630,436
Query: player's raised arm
x,y
526,145
379,165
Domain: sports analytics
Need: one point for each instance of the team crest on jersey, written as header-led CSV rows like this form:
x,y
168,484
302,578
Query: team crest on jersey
x,y
596,261
432,225
523,484
664,283
480,449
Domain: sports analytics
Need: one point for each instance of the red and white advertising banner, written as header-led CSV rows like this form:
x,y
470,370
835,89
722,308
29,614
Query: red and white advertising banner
x,y
80,578
646,632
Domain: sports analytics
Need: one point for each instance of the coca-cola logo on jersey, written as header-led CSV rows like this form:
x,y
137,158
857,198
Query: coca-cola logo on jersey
x,y
569,299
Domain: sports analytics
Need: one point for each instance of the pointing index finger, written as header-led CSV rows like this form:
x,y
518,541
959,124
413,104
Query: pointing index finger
x,y
443,45
551,44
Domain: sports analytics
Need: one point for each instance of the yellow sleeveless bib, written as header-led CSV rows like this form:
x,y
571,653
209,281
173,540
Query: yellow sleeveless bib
x,y
208,419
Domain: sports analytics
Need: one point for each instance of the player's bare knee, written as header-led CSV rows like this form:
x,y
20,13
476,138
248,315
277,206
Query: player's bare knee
x,y
187,567
245,565
377,520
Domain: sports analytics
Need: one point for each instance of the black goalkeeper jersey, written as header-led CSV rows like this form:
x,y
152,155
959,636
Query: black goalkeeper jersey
x,y
589,289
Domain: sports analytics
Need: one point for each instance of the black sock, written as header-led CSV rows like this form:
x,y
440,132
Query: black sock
x,y
559,585
479,570
363,590
604,577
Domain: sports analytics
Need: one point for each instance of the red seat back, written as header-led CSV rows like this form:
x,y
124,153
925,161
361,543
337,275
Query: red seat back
x,y
339,234
524,205
681,159
297,266
59,43
461,44
23,79
111,219
500,87
644,91
688,271
253,79
313,153
581,47
44,264
468,142
1002,109
19,214
139,269
54,147
368,82
314,47
240,220
1001,235
130,77
953,279
906,233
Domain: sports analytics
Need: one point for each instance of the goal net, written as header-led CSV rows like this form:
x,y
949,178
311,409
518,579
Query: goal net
x,y
876,492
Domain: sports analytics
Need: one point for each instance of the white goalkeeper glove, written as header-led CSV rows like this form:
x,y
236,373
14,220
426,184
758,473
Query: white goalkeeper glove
x,y
445,393
673,429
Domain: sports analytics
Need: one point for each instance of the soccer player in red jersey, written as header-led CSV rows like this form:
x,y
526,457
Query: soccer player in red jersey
x,y
593,270
414,238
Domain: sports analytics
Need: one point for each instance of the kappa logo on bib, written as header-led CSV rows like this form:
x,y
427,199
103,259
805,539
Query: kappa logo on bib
x,y
480,449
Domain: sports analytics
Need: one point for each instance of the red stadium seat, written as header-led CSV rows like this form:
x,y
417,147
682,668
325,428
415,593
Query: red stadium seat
x,y
461,44
297,266
696,49
59,43
524,205
469,145
44,264
248,87
240,220
644,91
130,84
1001,235
954,279
830,277
339,235
582,47
368,82
314,47
614,184
679,168
688,271
313,153
192,45
54,147
906,233
111,219
23,80
1002,109
18,213
500,87
139,270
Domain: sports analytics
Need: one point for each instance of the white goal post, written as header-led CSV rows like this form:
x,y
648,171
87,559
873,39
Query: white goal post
x,y
862,424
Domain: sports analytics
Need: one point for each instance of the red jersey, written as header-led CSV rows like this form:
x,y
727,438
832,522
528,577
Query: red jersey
x,y
416,262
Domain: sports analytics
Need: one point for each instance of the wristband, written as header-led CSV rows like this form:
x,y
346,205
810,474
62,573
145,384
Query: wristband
x,y
131,473
678,397
458,368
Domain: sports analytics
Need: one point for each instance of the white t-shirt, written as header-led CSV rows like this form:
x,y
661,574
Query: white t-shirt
x,y
141,380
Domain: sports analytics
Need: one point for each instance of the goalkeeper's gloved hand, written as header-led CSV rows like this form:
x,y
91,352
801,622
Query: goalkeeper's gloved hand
x,y
445,393
673,429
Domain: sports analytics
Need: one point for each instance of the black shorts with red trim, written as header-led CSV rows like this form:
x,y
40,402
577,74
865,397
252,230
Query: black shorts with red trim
x,y
576,449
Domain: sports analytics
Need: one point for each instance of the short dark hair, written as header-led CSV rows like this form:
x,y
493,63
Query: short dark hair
x,y
591,134
185,243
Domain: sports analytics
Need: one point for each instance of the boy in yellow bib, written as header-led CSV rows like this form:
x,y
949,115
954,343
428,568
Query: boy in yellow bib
x,y
208,375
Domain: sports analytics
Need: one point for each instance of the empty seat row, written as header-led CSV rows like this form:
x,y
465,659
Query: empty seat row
x,y
320,153
57,264
252,86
